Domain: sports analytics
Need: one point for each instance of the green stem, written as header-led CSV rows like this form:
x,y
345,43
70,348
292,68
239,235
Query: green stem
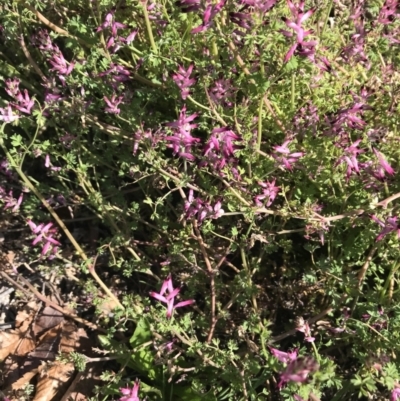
x,y
260,121
293,91
148,26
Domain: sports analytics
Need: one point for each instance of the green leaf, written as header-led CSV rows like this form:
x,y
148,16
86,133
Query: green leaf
x,y
142,358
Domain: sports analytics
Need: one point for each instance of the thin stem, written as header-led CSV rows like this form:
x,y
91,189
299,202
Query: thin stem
x,y
213,318
148,27
293,91
260,121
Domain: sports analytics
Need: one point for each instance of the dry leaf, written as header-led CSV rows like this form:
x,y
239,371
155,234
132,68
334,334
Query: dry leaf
x,y
26,314
48,319
82,386
22,381
73,339
16,342
52,377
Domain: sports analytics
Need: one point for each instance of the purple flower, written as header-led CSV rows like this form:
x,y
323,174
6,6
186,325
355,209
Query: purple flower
x,y
197,207
48,164
383,163
183,80
12,87
395,394
44,234
110,22
7,115
350,158
169,299
298,17
270,191
131,37
244,20
303,326
24,102
389,226
182,140
221,92
10,200
208,16
112,104
117,72
388,12
221,141
298,371
284,357
288,158
60,64
130,394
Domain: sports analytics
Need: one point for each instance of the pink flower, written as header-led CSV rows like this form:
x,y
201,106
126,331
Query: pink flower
x,y
284,357
209,14
7,115
112,104
298,18
183,80
182,140
197,207
288,158
389,226
130,394
383,163
169,299
298,371
395,394
304,327
45,235
269,193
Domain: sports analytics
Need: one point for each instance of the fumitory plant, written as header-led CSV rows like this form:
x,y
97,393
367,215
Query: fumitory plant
x,y
233,168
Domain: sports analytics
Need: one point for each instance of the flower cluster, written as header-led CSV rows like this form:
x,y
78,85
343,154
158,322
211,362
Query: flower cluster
x,y
183,80
21,102
182,140
114,42
268,195
297,368
45,235
299,16
201,209
284,157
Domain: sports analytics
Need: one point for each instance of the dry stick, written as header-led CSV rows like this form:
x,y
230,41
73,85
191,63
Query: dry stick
x,y
212,279
27,53
48,302
55,28
385,202
361,274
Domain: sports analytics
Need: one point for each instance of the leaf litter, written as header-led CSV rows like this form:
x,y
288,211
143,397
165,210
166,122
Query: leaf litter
x,y
29,354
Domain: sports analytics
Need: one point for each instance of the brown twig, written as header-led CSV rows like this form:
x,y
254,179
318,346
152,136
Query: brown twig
x,y
293,331
48,302
363,271
27,53
213,317
54,27
386,201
